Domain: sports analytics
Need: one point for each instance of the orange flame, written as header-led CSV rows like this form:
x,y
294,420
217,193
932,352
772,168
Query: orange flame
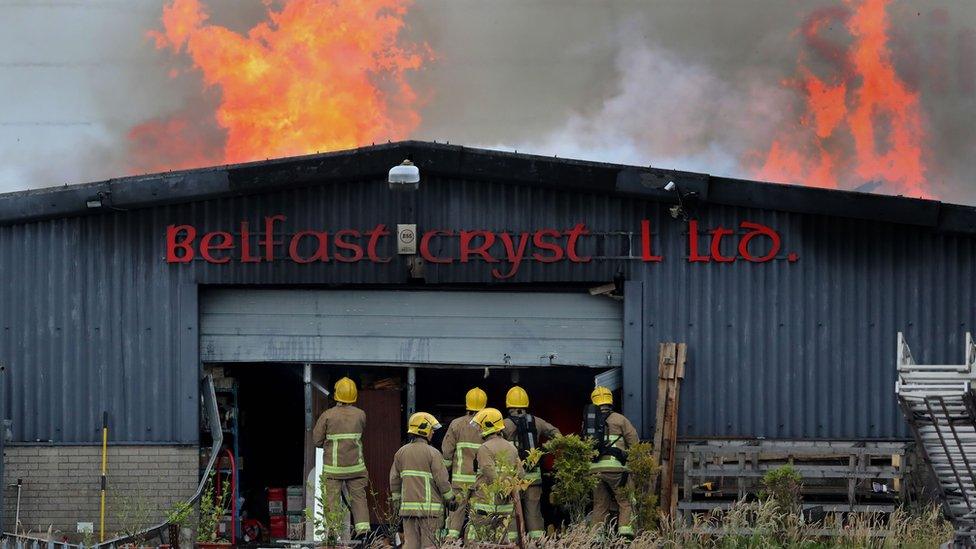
x,y
863,125
317,75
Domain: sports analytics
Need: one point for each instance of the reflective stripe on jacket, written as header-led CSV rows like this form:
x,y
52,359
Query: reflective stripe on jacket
x,y
339,432
418,479
491,454
460,447
621,434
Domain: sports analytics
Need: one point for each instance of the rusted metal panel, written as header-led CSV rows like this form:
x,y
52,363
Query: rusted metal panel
x,y
380,442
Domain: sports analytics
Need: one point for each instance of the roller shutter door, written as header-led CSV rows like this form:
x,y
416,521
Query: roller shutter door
x,y
412,327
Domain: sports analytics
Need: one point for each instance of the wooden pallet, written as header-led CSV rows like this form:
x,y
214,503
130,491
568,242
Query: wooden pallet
x,y
837,474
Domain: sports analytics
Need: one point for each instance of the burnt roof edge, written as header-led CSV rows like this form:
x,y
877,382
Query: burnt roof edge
x,y
471,163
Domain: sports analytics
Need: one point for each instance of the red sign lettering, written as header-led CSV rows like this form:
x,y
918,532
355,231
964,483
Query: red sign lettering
x,y
425,246
321,246
756,243
646,254
173,243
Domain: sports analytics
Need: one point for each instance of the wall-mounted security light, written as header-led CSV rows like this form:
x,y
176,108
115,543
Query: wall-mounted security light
x,y
95,201
679,210
404,177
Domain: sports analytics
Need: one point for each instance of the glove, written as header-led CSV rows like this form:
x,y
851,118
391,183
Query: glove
x,y
452,504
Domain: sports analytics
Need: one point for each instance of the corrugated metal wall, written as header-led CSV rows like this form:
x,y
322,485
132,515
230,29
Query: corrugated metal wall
x,y
805,349
91,321
93,318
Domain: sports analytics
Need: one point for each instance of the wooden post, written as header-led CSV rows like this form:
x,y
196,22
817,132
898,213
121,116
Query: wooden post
x,y
740,481
851,481
671,370
519,518
896,463
665,371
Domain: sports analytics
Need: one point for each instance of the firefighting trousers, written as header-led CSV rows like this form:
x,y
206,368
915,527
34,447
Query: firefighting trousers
x,y
355,489
420,532
532,511
455,521
609,488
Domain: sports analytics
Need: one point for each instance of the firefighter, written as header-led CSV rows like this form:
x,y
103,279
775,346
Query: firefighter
x,y
614,435
419,484
460,447
339,432
489,515
526,431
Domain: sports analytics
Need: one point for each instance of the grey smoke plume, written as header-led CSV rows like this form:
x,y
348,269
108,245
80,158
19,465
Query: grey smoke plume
x,y
688,84
670,113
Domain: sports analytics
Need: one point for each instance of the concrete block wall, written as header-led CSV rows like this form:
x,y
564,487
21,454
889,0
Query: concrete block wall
x,y
61,485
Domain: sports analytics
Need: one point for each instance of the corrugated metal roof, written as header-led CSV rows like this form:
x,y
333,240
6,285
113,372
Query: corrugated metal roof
x,y
454,161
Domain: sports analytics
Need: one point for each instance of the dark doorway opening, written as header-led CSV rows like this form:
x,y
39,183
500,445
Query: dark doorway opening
x,y
272,432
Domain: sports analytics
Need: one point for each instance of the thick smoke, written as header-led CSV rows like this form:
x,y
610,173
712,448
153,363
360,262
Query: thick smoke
x,y
77,77
670,113
690,84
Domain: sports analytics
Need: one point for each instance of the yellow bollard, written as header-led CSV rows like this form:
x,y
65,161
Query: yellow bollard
x,y
101,512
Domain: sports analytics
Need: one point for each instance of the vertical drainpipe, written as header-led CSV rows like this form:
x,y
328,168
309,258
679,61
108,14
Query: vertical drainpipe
x,y
411,391
308,452
307,378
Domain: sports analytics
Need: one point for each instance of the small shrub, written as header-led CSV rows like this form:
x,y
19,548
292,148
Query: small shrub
x,y
782,485
212,509
328,522
644,470
499,491
389,519
180,514
132,513
573,487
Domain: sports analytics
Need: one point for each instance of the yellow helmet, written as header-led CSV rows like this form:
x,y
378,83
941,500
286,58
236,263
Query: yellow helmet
x,y
601,396
516,398
490,420
422,424
345,391
475,400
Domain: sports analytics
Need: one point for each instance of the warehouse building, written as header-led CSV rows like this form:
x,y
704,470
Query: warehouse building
x,y
278,277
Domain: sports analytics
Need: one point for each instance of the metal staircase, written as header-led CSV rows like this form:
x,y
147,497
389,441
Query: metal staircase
x,y
938,402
